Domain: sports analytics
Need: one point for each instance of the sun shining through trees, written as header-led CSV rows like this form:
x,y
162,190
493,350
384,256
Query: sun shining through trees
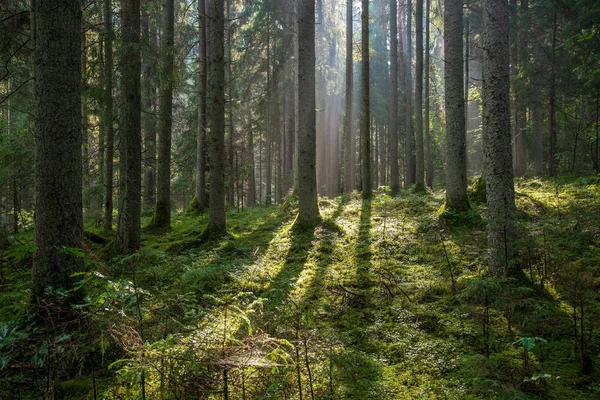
x,y
299,199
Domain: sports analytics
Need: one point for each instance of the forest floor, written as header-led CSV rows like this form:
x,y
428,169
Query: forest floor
x,y
380,301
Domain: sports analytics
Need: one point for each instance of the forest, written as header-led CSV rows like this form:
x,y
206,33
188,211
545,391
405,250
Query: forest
x,y
300,199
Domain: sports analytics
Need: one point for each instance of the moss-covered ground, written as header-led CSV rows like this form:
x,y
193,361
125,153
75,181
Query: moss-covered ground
x,y
380,301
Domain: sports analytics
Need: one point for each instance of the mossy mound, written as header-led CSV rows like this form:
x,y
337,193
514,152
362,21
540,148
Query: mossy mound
x,y
477,192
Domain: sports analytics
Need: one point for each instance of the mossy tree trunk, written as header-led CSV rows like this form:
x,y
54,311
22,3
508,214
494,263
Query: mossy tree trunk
x,y
108,122
200,190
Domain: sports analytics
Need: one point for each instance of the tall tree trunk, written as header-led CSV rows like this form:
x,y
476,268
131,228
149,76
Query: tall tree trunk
x,y
251,177
428,157
365,125
497,146
58,167
521,101
513,61
268,123
216,120
393,145
162,213
552,103
87,184
456,168
108,116
131,147
420,159
231,129
348,133
148,119
410,137
200,190
308,207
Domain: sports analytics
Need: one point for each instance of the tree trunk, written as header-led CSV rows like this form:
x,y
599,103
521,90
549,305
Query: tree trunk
x,y
200,190
231,130
521,101
162,213
410,138
58,160
538,129
365,127
131,147
552,104
148,119
497,146
428,158
308,208
108,116
420,159
348,184
216,119
456,167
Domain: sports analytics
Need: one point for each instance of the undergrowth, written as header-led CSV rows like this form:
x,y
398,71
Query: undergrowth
x,y
381,300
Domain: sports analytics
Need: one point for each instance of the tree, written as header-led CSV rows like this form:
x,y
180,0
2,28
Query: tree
x,y
428,157
308,207
216,118
348,179
128,234
200,188
420,155
149,57
58,140
497,140
108,115
365,123
410,139
456,168
393,145
162,213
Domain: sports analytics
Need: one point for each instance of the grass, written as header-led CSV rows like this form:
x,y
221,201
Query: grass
x,y
361,307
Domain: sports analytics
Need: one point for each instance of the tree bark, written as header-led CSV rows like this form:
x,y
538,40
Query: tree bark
x,y
162,212
552,103
410,137
200,190
308,208
420,154
365,125
58,159
216,119
131,147
521,101
148,119
497,146
428,157
538,129
108,116
348,178
393,145
456,167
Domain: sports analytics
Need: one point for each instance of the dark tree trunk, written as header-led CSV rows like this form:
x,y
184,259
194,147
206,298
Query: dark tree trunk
x,y
348,179
162,213
420,154
428,157
308,208
497,146
521,101
108,116
393,145
552,104
148,119
410,136
365,124
216,118
131,144
456,168
200,190
58,167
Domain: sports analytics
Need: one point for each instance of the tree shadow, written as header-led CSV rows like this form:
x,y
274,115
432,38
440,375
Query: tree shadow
x,y
363,254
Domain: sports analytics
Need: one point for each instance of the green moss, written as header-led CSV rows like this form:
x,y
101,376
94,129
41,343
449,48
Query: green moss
x,y
477,191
